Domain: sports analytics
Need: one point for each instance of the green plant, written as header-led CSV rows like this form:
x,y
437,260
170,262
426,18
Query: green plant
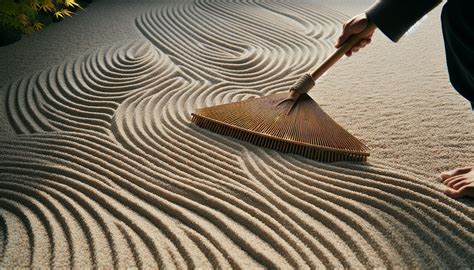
x,y
24,15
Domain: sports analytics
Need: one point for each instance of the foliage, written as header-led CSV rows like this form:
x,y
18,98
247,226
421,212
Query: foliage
x,y
28,15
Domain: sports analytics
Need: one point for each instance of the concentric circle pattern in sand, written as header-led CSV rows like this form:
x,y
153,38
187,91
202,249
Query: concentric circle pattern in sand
x,y
107,170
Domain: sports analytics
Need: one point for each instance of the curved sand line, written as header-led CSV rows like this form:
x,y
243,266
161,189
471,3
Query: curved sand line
x,y
109,172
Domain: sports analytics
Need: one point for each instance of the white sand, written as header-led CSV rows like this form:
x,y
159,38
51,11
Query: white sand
x,y
101,166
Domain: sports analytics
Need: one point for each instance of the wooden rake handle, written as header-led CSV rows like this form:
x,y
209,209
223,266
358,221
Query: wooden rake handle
x,y
307,81
341,51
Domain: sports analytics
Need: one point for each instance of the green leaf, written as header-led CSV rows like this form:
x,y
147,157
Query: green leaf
x,y
26,9
8,7
28,29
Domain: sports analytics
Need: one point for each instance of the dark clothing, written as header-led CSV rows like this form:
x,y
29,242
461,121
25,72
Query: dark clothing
x,y
458,32
395,17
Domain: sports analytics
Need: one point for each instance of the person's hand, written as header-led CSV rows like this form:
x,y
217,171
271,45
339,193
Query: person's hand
x,y
354,26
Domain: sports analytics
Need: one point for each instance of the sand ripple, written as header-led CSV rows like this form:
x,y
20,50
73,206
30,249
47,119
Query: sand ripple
x,y
107,170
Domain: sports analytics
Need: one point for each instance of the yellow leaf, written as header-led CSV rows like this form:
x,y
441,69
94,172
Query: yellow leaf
x,y
58,14
62,13
38,26
24,20
47,6
66,12
71,3
34,5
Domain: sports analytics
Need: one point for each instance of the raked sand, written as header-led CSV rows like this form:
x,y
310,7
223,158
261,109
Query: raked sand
x,y
101,167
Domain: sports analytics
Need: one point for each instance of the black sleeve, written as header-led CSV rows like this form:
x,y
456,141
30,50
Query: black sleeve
x,y
395,17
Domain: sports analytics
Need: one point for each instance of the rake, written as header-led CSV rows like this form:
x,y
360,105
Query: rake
x,y
289,122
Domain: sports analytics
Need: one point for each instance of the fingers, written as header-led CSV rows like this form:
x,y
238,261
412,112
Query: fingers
x,y
355,25
362,43
346,33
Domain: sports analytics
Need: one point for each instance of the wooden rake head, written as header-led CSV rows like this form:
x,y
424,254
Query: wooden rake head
x,y
289,123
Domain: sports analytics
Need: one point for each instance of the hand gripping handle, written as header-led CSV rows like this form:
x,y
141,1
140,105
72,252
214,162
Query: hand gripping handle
x,y
306,82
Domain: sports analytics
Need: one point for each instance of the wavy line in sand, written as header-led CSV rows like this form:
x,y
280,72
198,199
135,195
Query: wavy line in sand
x,y
127,181
83,94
